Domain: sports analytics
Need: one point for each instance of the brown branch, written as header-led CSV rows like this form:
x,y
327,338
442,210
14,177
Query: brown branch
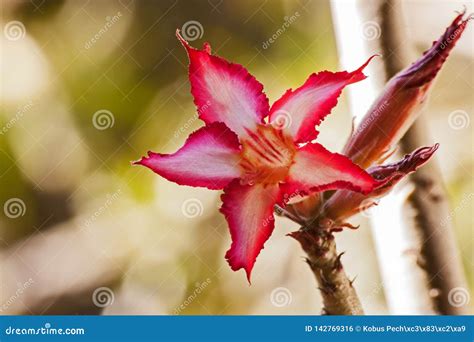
x,y
441,260
339,296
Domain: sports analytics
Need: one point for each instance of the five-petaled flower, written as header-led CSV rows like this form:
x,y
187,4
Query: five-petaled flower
x,y
260,155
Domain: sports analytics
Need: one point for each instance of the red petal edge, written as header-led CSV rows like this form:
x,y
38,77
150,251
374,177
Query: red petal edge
x,y
249,211
308,105
317,169
209,158
223,91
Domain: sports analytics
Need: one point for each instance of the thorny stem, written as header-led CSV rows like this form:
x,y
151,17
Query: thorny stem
x,y
439,252
339,296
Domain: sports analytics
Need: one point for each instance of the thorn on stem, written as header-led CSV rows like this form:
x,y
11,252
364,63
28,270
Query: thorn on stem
x,y
352,281
337,262
328,286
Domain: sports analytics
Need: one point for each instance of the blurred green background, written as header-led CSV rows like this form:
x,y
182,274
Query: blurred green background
x,y
88,86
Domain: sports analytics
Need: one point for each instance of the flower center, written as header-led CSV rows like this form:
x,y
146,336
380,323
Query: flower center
x,y
267,155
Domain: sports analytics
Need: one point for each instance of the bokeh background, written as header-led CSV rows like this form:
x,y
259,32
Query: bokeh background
x,y
88,86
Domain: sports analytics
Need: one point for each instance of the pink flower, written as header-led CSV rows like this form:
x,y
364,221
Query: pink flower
x,y
260,156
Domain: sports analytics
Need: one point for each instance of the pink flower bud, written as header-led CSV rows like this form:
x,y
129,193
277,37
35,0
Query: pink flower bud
x,y
344,204
398,105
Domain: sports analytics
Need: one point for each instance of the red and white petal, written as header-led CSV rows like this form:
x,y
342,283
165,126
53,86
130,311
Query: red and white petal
x,y
209,158
299,111
317,169
249,211
224,91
